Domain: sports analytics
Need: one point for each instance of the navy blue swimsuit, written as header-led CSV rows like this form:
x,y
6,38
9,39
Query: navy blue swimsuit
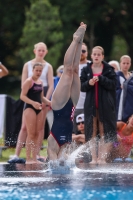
x,y
62,125
34,94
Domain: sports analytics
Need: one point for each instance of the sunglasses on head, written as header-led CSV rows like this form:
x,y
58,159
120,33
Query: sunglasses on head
x,y
83,51
80,123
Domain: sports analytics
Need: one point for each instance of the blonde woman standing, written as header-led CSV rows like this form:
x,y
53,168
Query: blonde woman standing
x,y
124,89
40,51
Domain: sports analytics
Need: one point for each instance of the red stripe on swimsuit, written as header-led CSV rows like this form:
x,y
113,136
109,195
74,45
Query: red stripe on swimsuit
x,y
96,90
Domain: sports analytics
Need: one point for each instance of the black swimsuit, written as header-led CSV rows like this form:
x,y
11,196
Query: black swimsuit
x,y
34,94
62,125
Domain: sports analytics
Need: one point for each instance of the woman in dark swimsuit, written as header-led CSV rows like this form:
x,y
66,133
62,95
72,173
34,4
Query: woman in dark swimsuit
x,y
32,95
65,97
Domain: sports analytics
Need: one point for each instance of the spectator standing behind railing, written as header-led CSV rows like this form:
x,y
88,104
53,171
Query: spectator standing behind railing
x,y
3,70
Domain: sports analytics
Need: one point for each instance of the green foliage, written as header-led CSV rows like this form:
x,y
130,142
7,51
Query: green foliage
x,y
119,48
94,14
12,17
11,151
105,19
54,22
11,23
42,24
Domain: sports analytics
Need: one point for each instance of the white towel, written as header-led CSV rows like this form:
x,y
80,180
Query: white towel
x,y
2,113
120,109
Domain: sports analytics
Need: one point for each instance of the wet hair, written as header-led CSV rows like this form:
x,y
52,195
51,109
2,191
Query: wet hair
x,y
37,64
125,56
100,48
40,43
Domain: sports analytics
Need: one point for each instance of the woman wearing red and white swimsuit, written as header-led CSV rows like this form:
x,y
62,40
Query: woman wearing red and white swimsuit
x,y
122,148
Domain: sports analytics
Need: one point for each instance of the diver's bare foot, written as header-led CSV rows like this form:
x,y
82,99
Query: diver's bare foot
x,y
93,162
79,34
33,162
100,162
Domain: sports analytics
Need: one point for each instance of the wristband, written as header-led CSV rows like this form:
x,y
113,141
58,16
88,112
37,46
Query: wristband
x,y
0,63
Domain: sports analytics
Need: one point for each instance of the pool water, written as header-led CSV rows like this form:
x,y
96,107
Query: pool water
x,y
65,193
82,182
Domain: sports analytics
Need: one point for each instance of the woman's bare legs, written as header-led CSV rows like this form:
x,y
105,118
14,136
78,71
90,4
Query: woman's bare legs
x,y
104,148
119,151
41,118
62,154
21,141
93,142
71,63
99,148
105,152
21,137
33,124
42,133
53,148
75,88
54,151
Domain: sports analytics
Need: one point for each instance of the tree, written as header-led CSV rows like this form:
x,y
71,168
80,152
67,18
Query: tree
x,y
12,17
99,29
11,23
105,20
42,24
123,22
